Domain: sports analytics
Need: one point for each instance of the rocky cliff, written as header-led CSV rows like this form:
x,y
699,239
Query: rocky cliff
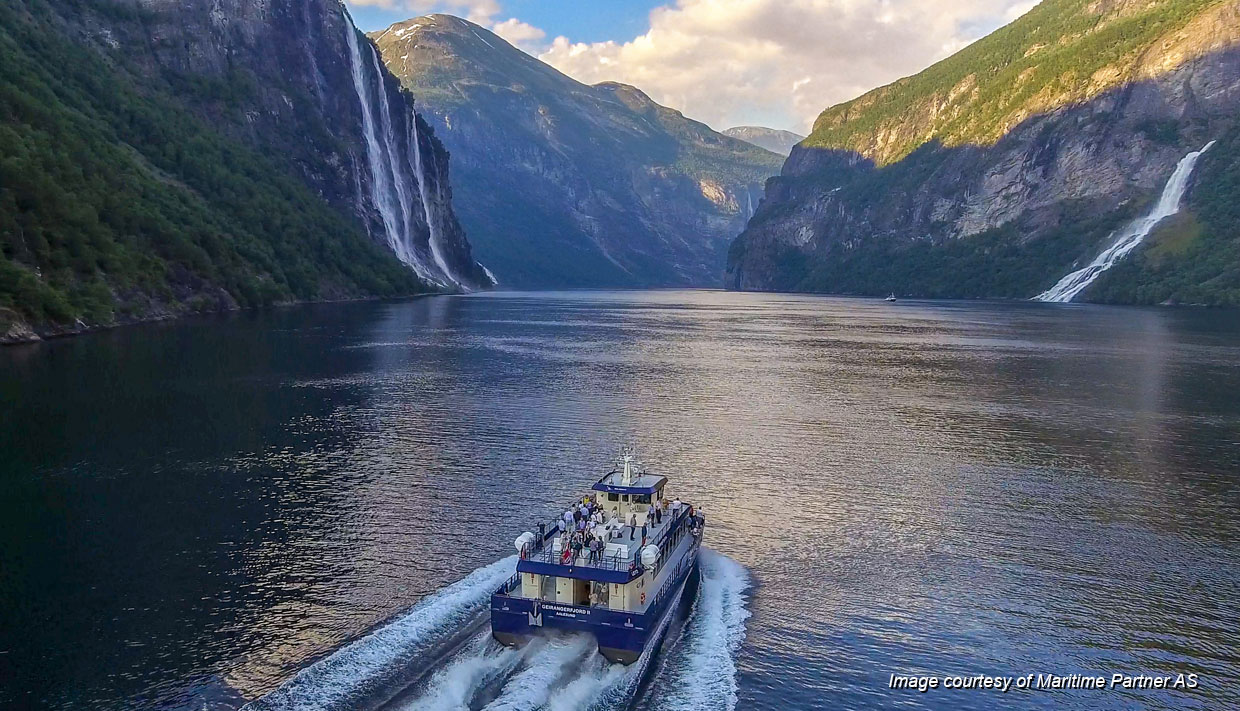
x,y
1010,164
265,154
564,184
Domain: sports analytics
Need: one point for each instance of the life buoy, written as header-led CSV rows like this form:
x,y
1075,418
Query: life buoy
x,y
643,598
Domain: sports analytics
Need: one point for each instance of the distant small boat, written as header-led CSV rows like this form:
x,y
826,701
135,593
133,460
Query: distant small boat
x,y
892,297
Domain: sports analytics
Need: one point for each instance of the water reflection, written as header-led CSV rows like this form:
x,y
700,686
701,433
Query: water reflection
x,y
918,487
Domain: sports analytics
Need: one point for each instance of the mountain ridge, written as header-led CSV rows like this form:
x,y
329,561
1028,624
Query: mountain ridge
x,y
773,139
566,184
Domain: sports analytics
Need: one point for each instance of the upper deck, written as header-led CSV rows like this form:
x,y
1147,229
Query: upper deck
x,y
640,484
627,514
619,562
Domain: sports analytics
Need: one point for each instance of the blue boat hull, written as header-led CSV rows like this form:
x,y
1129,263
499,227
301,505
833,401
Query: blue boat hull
x,y
622,636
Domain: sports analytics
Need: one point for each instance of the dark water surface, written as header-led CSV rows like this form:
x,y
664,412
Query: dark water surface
x,y
190,513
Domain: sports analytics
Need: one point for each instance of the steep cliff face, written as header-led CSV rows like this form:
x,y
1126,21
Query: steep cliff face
x,y
162,156
564,184
1005,167
320,96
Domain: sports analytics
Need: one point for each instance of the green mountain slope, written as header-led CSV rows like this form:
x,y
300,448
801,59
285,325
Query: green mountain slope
x,y
564,184
1061,52
1010,164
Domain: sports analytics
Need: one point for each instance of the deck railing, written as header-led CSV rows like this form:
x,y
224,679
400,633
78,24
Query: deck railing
x,y
607,562
543,552
509,585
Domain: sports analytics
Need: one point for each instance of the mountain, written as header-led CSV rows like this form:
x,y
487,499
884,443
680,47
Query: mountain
x,y
772,139
564,184
1016,161
161,157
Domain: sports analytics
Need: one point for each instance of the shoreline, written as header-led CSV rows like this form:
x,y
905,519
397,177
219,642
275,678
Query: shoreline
x,y
21,333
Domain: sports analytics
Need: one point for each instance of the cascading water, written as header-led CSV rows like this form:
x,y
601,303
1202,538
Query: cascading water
x,y
428,206
389,190
1168,204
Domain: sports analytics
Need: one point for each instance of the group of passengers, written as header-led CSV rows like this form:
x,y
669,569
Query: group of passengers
x,y
585,528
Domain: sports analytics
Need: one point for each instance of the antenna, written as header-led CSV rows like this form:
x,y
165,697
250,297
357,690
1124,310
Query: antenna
x,y
626,456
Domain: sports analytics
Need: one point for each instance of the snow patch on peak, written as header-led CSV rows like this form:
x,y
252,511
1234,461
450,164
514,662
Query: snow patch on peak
x,y
400,33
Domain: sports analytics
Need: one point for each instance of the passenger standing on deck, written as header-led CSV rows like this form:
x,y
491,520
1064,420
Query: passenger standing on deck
x,y
632,525
658,515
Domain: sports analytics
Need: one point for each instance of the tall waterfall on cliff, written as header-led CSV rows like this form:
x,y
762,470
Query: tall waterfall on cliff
x,y
1168,204
428,205
389,190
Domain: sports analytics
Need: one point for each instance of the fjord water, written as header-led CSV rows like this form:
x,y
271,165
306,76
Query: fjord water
x,y
195,511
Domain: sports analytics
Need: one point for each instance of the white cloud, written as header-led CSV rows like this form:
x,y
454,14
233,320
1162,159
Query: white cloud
x,y
521,34
778,62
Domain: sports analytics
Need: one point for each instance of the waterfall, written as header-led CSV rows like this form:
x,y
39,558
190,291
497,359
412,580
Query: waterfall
x,y
748,204
389,189
1132,235
427,204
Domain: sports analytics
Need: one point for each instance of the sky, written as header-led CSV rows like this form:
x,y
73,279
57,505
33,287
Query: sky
x,y
774,63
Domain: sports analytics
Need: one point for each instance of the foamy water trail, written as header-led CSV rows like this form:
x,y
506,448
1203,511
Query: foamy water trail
x,y
365,664
531,688
482,661
597,682
702,673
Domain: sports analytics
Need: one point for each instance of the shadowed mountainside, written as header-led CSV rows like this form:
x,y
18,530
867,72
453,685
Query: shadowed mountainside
x,y
564,184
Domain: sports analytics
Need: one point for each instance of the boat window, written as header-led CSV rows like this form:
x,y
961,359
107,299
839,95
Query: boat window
x,y
613,496
642,498
624,498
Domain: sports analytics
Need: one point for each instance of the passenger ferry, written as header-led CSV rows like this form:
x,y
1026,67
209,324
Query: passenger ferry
x,y
624,590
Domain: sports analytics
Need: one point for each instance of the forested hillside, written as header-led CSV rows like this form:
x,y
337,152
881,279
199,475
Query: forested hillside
x,y
1061,53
